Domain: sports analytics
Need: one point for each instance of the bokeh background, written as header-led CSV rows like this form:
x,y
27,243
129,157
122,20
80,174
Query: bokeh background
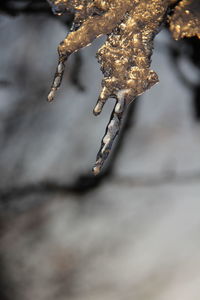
x,y
134,231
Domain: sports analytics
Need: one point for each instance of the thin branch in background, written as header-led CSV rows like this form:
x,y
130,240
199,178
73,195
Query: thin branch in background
x,y
17,7
189,48
74,76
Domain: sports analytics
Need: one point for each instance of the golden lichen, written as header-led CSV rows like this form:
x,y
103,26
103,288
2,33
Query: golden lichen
x,y
125,57
185,21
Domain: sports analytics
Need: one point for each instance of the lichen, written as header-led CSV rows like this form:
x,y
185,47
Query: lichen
x,y
125,57
185,22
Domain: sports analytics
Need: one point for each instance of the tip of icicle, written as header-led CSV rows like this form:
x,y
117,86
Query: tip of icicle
x,y
96,170
51,96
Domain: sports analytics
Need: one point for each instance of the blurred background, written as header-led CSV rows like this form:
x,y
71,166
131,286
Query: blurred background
x,y
134,231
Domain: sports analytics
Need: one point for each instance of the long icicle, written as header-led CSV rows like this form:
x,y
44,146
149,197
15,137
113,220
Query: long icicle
x,y
111,132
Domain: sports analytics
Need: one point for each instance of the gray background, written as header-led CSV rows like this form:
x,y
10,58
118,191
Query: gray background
x,y
134,236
